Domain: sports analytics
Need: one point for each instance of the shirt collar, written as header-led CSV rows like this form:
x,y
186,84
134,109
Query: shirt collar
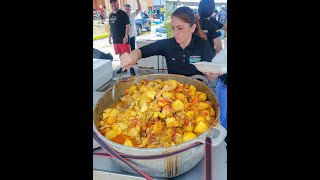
x,y
115,12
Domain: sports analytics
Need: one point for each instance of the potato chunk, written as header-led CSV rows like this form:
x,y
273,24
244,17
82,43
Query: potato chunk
x,y
200,118
151,94
202,97
172,122
202,106
189,127
128,142
111,134
177,106
180,96
200,128
187,136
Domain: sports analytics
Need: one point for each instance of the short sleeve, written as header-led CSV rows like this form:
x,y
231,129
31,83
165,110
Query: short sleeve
x,y
125,18
215,31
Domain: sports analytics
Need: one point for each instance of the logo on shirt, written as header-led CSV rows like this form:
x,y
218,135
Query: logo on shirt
x,y
194,59
173,59
112,19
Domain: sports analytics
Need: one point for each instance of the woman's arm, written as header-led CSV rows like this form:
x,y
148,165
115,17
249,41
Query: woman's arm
x,y
155,48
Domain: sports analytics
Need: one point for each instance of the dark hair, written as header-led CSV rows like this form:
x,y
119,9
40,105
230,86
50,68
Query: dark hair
x,y
127,5
186,14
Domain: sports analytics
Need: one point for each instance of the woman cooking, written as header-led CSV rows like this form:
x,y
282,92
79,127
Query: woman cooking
x,y
188,46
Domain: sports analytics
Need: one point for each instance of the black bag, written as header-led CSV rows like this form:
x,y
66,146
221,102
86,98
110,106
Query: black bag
x,y
101,55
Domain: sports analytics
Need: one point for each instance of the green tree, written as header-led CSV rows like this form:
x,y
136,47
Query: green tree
x,y
167,23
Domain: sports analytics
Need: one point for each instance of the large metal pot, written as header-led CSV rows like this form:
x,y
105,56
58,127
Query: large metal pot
x,y
173,165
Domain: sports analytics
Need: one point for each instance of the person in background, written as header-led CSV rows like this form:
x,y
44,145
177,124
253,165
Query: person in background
x,y
119,29
222,18
220,26
222,15
102,14
133,29
206,9
95,14
215,15
104,10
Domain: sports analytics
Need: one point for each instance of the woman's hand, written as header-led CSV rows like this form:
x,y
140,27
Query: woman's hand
x,y
211,76
127,61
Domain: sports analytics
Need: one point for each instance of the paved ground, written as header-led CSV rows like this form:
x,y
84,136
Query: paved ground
x,y
104,46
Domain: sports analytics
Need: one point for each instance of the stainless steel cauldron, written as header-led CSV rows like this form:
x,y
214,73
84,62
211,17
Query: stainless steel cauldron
x,y
170,166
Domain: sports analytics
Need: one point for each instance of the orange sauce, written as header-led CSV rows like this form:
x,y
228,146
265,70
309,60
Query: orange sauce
x,y
121,138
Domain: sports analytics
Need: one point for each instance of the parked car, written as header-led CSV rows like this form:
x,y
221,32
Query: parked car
x,y
143,21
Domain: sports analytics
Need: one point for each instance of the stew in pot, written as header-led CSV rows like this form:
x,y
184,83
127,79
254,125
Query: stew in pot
x,y
157,114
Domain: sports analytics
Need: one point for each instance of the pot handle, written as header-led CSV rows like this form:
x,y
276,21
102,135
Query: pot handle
x,y
216,141
209,143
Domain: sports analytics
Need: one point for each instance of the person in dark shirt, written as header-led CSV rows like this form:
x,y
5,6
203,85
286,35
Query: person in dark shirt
x,y
119,29
214,18
206,9
189,45
217,23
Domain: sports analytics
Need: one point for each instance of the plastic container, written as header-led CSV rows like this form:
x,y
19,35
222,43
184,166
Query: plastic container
x,y
102,72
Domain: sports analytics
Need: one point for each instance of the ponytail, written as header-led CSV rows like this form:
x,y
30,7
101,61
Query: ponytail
x,y
198,31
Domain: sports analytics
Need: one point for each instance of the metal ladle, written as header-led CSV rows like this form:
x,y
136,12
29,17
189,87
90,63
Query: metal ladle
x,y
114,86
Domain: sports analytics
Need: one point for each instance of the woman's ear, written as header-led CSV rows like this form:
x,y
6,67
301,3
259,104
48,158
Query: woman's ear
x,y
193,27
